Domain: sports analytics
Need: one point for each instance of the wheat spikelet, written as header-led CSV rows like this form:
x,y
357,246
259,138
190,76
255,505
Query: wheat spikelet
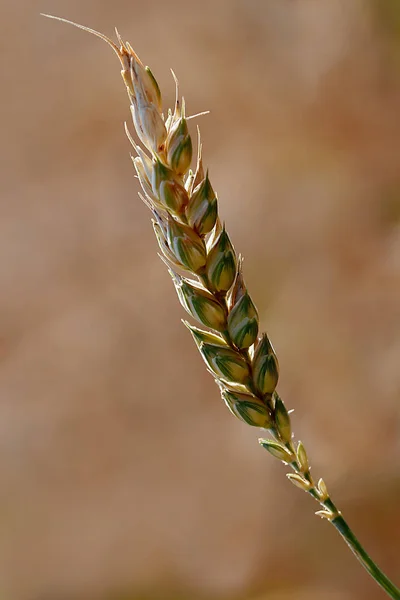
x,y
208,278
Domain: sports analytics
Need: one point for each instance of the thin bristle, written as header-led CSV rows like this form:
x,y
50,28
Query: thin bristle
x,y
199,146
200,114
176,107
88,30
120,40
129,136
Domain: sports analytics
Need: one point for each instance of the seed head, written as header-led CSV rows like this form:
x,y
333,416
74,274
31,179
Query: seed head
x,y
200,336
202,209
199,303
152,89
322,490
247,408
191,237
149,125
239,288
173,196
163,245
167,187
221,264
282,420
144,181
243,323
138,79
302,458
265,366
188,247
225,363
277,450
179,147
299,481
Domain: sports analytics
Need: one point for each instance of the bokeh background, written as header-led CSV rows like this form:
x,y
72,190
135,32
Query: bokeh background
x,y
123,476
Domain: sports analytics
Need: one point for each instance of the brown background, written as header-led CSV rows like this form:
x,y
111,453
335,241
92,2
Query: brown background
x,y
121,471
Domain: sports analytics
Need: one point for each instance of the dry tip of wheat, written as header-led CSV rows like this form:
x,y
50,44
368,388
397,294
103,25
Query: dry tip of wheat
x,y
208,278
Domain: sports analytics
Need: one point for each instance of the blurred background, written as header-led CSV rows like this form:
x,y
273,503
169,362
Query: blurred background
x,y
123,476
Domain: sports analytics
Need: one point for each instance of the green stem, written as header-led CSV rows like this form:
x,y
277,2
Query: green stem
x,y
342,527
344,530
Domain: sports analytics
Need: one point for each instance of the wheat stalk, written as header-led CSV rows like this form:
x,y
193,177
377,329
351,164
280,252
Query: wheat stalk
x,y
208,278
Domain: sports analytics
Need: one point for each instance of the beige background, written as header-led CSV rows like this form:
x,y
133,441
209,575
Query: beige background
x,y
121,471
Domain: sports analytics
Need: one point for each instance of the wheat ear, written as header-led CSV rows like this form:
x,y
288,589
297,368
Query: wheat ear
x,y
208,278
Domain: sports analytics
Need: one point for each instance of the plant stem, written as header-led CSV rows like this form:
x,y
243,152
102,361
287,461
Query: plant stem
x,y
355,546
344,530
381,579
